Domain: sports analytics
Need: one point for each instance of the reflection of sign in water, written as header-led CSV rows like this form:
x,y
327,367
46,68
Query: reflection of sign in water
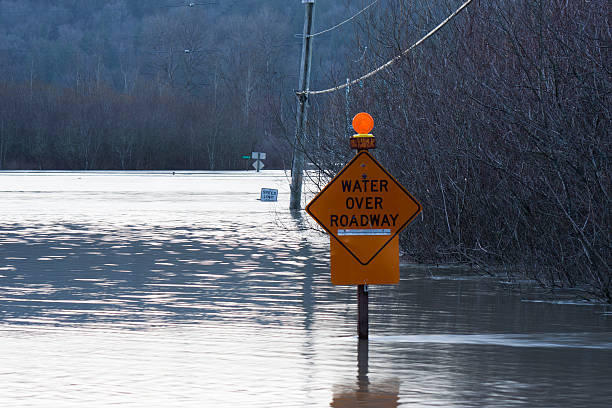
x,y
269,194
365,392
372,396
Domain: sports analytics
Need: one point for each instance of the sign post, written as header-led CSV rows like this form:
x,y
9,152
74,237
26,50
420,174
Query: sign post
x,y
258,156
247,158
363,208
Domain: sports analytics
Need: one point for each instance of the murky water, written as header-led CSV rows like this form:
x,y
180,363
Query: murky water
x,y
161,290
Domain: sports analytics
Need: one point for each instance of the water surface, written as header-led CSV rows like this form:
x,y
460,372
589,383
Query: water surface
x,y
143,289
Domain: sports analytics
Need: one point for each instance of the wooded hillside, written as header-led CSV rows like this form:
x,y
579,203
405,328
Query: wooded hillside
x,y
128,84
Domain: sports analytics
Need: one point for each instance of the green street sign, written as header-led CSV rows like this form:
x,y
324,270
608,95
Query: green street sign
x,y
246,157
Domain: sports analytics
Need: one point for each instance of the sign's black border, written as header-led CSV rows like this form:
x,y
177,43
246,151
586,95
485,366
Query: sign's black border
x,y
332,181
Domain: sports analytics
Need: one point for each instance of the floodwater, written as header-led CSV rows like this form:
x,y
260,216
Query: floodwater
x,y
148,289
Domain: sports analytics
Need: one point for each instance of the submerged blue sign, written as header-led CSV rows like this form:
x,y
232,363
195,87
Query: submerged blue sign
x,y
269,194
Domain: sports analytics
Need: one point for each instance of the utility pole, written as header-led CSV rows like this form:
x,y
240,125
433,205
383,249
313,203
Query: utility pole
x,y
348,109
297,166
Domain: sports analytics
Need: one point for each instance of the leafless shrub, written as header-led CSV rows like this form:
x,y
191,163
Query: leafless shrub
x,y
501,127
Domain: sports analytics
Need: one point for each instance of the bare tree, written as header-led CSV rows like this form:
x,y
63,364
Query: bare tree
x,y
501,127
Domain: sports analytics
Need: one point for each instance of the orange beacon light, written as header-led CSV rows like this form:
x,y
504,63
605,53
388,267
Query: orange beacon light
x,y
363,124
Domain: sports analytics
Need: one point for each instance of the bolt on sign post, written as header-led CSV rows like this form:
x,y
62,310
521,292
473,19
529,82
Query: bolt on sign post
x,y
364,208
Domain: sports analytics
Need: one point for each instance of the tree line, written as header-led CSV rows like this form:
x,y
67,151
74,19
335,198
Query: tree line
x,y
144,85
48,127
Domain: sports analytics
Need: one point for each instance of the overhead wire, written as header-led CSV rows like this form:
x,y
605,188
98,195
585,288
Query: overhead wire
x,y
339,24
391,61
190,4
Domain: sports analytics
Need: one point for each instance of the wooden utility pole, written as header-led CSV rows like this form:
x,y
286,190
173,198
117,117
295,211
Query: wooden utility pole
x,y
297,166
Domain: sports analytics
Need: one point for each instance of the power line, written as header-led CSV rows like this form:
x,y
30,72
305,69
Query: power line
x,y
190,4
392,61
339,24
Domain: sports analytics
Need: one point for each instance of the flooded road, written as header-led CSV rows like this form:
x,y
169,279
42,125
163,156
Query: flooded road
x,y
147,289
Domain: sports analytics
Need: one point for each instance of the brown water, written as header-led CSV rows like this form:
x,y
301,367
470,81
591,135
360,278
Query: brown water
x,y
153,290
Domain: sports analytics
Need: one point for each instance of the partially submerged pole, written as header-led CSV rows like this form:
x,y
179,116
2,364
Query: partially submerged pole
x,y
362,311
297,166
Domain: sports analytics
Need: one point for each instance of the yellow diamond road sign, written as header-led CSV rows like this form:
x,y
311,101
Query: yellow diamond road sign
x,y
363,207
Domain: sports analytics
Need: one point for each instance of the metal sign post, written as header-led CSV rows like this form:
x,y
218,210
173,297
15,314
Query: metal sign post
x,y
246,157
258,157
363,208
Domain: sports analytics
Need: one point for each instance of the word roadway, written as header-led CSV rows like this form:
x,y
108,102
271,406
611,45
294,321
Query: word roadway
x,y
364,220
